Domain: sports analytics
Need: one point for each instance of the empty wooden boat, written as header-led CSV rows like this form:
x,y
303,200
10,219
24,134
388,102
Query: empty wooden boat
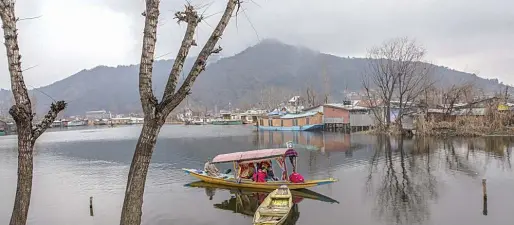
x,y
275,208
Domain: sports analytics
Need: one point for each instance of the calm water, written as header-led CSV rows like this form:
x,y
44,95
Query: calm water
x,y
382,180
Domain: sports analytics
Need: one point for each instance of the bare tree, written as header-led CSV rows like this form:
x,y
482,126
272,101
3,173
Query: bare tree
x,y
22,114
453,95
272,97
396,71
311,97
156,112
413,75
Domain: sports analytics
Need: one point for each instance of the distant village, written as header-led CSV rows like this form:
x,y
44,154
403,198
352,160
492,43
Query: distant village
x,y
349,115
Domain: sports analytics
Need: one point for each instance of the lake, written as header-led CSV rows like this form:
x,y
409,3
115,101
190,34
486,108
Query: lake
x,y
381,180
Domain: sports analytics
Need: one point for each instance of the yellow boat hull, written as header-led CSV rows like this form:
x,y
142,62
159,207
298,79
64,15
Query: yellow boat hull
x,y
246,183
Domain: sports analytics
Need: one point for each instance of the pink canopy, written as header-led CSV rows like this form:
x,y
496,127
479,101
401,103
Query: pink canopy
x,y
250,155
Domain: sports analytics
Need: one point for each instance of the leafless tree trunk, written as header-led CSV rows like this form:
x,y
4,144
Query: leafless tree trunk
x,y
311,97
413,77
22,114
397,70
156,112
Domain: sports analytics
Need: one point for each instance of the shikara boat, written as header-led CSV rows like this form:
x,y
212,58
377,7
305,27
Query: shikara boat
x,y
256,156
275,208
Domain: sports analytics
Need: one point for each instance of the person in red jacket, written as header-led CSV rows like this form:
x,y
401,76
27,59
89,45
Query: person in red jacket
x,y
296,178
260,176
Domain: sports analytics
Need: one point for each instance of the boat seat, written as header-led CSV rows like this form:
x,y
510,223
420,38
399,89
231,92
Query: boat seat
x,y
267,220
275,211
280,196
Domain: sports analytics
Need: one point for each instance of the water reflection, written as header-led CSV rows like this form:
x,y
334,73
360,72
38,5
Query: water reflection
x,y
319,141
246,201
402,177
381,180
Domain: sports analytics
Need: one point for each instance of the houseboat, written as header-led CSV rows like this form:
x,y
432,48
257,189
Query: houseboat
x,y
59,123
76,123
306,121
198,121
251,116
228,118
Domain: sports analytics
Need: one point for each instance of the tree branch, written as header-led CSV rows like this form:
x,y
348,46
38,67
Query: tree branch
x,y
190,16
169,103
18,87
49,118
148,100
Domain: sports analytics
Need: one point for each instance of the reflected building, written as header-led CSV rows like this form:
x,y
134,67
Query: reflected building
x,y
322,141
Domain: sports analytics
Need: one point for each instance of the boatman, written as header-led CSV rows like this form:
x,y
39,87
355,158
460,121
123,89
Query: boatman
x,y
211,169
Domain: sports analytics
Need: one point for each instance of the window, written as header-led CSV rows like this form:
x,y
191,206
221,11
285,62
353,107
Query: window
x,y
261,122
270,122
281,123
307,121
295,122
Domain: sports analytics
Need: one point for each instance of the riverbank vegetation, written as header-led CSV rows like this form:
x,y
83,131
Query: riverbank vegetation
x,y
405,100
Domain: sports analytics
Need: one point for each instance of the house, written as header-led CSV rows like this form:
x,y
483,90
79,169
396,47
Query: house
x,y
346,116
332,113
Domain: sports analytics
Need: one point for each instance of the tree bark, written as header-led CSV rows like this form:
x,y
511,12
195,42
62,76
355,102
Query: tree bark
x,y
22,114
24,183
133,203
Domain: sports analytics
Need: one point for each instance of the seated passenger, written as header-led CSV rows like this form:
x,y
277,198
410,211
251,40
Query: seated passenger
x,y
296,178
260,176
269,173
246,171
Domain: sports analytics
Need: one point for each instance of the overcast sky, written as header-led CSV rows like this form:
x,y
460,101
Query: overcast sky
x,y
71,35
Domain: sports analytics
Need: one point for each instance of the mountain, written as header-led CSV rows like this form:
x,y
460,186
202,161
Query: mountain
x,y
270,70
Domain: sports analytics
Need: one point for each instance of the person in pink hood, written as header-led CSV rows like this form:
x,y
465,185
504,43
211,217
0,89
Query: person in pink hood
x,y
296,178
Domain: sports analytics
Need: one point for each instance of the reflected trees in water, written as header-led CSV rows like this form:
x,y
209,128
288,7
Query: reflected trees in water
x,y
405,181
402,171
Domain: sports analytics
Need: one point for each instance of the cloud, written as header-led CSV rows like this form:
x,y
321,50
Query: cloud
x,y
469,35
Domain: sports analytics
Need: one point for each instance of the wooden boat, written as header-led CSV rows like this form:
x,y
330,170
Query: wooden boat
x,y
251,157
275,208
247,203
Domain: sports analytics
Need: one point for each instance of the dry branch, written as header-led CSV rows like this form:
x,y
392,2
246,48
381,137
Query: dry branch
x,y
190,16
171,101
49,118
